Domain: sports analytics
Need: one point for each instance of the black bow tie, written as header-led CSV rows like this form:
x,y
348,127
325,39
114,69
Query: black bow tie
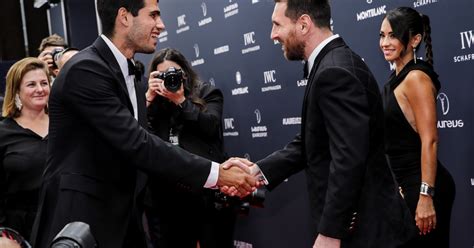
x,y
305,69
133,70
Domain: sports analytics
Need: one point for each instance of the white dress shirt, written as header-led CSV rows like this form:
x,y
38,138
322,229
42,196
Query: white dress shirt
x,y
129,80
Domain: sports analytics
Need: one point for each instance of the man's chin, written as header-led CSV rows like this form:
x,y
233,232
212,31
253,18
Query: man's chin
x,y
146,50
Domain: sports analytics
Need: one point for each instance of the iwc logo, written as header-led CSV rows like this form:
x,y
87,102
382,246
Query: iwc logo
x,y
229,128
269,78
182,26
250,43
467,43
419,3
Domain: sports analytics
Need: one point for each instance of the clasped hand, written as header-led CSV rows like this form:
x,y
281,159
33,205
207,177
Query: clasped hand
x,y
238,177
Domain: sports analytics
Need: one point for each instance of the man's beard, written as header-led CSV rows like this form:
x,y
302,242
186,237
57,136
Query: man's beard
x,y
294,48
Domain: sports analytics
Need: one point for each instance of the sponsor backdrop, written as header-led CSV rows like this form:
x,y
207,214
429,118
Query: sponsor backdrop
x,y
228,43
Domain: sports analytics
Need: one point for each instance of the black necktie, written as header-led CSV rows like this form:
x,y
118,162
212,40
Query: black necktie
x,y
305,69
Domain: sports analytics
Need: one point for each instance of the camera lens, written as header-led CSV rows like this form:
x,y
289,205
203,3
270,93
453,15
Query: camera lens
x,y
173,78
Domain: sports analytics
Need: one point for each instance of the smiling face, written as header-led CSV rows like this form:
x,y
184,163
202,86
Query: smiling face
x,y
284,31
146,28
392,48
34,90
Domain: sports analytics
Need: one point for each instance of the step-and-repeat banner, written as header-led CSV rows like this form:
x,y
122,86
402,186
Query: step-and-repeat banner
x,y
228,43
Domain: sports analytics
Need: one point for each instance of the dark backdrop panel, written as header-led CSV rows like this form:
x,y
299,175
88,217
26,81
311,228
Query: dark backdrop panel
x,y
228,43
81,22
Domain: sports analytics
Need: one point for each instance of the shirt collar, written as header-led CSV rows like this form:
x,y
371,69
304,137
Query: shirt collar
x,y
121,59
318,49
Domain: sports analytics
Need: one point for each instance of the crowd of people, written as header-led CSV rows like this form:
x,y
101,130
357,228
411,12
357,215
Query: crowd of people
x,y
140,159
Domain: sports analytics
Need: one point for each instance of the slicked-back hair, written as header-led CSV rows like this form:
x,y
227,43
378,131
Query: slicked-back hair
x,y
318,10
108,10
406,23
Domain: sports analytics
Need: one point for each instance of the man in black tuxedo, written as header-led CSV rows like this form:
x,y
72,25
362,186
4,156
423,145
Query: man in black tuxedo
x,y
98,151
354,198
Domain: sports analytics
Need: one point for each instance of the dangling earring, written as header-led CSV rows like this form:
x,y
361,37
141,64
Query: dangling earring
x,y
414,54
18,103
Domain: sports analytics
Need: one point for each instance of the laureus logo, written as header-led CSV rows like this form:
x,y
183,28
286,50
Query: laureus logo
x,y
204,9
196,50
444,100
258,115
212,81
369,1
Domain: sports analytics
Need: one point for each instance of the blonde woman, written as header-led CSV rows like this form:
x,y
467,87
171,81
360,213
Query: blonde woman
x,y
23,140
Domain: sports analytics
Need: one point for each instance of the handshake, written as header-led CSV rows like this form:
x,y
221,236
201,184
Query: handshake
x,y
239,177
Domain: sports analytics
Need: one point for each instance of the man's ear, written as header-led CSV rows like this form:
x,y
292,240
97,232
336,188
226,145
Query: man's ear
x,y
123,17
304,23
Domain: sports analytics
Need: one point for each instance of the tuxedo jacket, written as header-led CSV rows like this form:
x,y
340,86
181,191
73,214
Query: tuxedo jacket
x,y
97,151
340,147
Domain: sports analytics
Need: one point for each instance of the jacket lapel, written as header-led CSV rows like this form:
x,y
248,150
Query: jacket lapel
x,y
106,54
338,42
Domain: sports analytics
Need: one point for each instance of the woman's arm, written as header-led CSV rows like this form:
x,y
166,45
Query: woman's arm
x,y
420,93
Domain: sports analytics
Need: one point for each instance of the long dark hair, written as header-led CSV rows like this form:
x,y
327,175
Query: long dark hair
x,y
406,23
192,82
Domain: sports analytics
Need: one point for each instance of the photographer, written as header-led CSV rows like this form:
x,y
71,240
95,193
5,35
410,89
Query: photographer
x,y
48,48
188,113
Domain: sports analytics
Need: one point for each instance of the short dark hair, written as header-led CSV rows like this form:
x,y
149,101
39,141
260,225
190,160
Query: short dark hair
x,y
108,9
52,40
318,10
406,23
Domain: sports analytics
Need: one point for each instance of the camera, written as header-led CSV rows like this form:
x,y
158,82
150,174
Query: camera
x,y
173,78
56,54
240,205
74,235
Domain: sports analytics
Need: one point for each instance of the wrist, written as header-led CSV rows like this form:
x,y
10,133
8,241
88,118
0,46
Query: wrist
x,y
426,189
149,97
180,101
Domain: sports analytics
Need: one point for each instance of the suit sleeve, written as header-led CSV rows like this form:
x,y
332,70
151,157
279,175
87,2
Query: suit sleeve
x,y
96,96
208,122
344,105
281,164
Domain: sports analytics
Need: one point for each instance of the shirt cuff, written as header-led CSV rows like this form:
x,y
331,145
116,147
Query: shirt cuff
x,y
257,172
211,182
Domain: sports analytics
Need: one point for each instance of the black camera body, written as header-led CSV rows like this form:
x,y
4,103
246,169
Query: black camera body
x,y
173,78
56,53
240,205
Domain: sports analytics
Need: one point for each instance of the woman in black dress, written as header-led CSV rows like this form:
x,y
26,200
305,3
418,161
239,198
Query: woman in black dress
x,y
410,126
186,112
23,139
